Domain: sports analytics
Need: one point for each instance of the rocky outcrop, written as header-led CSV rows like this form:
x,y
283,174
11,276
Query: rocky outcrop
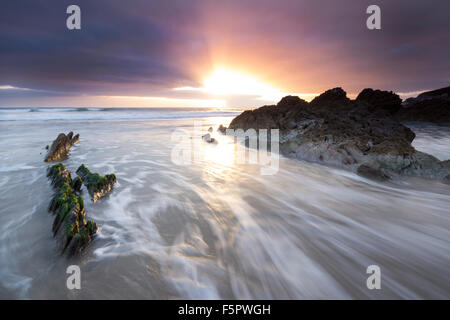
x,y
335,130
61,146
443,93
97,185
70,224
432,106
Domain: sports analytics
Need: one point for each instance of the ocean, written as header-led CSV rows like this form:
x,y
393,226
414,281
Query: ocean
x,y
214,228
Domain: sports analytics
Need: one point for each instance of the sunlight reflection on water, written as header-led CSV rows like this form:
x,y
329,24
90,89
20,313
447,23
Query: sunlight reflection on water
x,y
217,228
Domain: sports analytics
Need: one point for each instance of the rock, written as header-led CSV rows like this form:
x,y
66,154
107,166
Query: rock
x,y
289,101
432,106
60,147
76,139
335,130
70,224
77,183
59,175
331,97
367,171
443,93
97,185
207,138
222,129
380,101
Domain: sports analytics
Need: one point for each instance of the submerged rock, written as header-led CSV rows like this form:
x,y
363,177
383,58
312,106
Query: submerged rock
x,y
97,185
70,224
207,138
371,172
335,130
222,129
61,146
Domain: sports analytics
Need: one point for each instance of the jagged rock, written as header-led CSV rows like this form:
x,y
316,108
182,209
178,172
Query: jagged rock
x,y
77,183
207,138
443,94
432,106
59,175
60,147
331,97
289,101
335,130
76,139
70,224
97,185
380,101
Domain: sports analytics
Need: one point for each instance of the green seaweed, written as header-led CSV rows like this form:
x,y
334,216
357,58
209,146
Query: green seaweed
x,y
94,180
77,184
68,206
96,184
59,175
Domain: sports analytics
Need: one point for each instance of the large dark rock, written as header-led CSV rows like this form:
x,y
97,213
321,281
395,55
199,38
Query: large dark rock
x,y
443,93
289,101
61,146
335,130
380,102
97,185
432,106
70,224
336,96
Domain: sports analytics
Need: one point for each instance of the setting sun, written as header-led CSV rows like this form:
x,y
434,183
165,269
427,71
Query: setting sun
x,y
223,81
226,82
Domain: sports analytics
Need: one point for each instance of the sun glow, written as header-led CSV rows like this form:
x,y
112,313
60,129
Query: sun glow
x,y
223,82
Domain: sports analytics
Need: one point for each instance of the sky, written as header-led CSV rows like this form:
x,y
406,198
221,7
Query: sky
x,y
211,53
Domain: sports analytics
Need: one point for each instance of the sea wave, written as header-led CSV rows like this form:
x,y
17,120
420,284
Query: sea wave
x,y
42,114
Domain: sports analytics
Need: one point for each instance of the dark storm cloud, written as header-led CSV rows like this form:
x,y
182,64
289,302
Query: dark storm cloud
x,y
142,47
120,42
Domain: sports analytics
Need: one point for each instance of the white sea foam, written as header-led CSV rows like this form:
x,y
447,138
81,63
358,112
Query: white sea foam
x,y
216,228
41,114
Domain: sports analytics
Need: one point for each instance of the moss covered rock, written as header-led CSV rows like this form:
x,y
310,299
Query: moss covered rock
x,y
70,222
97,185
59,175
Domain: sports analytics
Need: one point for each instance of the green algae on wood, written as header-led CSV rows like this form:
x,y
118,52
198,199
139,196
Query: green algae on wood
x,y
97,185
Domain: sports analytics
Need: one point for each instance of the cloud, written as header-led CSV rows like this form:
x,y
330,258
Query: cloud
x,y
147,48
